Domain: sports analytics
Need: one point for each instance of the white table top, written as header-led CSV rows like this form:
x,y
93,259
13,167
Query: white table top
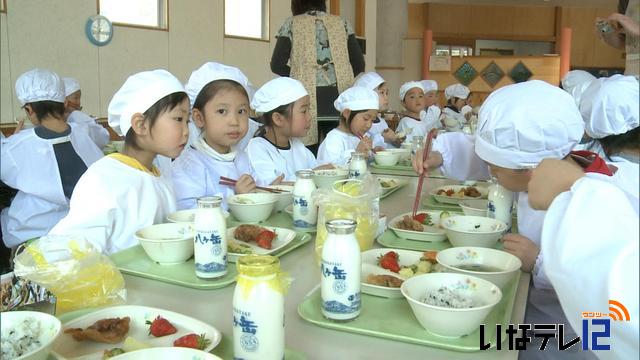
x,y
214,306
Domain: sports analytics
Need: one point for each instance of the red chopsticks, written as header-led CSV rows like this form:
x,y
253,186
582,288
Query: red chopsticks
x,y
425,156
362,137
230,182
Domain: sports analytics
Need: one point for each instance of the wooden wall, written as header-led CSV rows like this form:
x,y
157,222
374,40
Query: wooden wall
x,y
463,24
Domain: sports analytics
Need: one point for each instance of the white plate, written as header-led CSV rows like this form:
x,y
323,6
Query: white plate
x,y
66,347
289,210
283,238
454,199
370,266
388,190
433,233
168,353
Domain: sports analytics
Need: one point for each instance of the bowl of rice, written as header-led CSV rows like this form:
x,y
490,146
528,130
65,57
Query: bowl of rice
x,y
28,335
325,178
449,304
481,231
251,207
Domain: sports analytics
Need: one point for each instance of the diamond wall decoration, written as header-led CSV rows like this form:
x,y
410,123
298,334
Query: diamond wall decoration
x,y
492,74
520,73
465,73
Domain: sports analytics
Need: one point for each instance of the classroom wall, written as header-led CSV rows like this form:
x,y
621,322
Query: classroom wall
x,y
44,33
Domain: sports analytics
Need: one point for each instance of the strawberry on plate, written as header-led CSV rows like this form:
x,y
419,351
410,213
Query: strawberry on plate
x,y
265,238
389,261
161,327
193,341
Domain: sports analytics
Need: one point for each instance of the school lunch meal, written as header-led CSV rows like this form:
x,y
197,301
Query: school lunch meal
x,y
263,237
470,191
391,261
420,222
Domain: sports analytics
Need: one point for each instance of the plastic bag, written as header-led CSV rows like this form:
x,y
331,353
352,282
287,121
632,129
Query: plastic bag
x,y
77,273
357,200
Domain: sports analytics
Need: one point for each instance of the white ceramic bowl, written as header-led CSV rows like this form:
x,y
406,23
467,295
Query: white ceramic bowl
x,y
496,266
168,353
324,179
477,207
463,230
449,321
49,331
167,244
432,234
405,154
370,266
387,158
252,207
187,216
284,199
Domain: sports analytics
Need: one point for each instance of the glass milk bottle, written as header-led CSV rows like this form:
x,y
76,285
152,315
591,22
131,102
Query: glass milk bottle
x,y
305,211
417,144
500,203
357,166
258,309
340,271
210,240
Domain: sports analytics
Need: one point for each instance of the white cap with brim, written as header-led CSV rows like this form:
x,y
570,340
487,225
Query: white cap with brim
x,y
277,92
610,106
357,98
429,85
39,85
456,90
519,125
370,80
71,85
212,71
138,93
404,89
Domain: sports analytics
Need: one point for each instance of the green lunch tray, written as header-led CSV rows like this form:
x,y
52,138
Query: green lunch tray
x,y
224,350
391,240
402,171
393,319
430,203
134,261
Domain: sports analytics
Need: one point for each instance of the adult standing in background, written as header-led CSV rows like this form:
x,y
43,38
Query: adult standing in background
x,y
625,34
321,51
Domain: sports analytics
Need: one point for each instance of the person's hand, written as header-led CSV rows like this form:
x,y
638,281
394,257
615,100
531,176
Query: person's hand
x,y
19,126
614,38
365,145
434,161
551,178
523,248
627,25
379,148
389,136
278,180
325,167
245,184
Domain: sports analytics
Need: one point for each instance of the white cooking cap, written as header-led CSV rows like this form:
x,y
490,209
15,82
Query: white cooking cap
x,y
212,71
519,125
138,94
370,80
456,90
575,82
357,98
404,89
71,85
429,85
39,85
277,92
610,106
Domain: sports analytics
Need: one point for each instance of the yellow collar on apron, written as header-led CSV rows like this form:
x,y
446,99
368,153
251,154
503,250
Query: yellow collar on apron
x,y
128,160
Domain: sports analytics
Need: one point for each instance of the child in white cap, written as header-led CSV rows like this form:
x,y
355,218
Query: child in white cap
x,y
380,132
514,135
358,107
220,109
412,98
124,192
43,163
453,117
610,109
574,200
575,82
277,152
431,106
73,111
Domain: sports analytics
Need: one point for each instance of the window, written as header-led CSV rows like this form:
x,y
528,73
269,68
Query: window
x,y
247,19
454,50
146,13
